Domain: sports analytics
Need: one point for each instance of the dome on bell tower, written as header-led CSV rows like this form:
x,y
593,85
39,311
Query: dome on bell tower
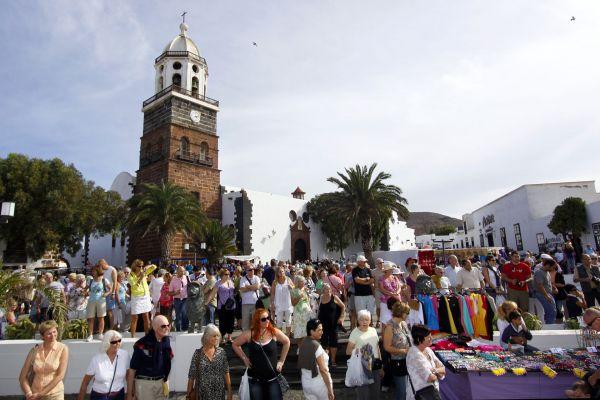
x,y
182,42
181,67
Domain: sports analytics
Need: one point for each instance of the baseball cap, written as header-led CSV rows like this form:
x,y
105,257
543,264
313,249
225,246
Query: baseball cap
x,y
361,258
545,256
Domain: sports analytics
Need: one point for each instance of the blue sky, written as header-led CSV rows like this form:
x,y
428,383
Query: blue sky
x,y
460,101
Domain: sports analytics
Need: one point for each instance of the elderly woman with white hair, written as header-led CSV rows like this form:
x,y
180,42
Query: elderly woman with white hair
x,y
302,311
77,298
364,338
108,369
208,376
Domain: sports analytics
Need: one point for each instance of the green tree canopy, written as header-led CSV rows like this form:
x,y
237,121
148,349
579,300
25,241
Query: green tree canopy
x,y
442,230
365,203
569,217
219,240
165,209
55,207
335,229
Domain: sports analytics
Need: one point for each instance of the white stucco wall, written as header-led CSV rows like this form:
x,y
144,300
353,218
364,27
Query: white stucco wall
x,y
101,247
271,236
531,206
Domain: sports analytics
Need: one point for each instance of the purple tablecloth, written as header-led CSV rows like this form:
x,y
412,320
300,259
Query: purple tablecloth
x,y
485,385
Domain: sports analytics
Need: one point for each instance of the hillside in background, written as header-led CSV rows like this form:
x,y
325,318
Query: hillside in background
x,y
424,222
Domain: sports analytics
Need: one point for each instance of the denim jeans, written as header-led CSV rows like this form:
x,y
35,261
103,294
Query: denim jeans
x,y
265,390
181,320
209,315
549,308
400,390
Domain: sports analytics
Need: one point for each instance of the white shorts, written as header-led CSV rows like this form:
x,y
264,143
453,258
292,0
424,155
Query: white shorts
x,y
365,303
283,318
140,305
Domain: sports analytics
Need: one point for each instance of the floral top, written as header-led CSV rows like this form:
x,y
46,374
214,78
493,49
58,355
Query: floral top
x,y
165,300
209,375
77,300
400,337
419,365
391,284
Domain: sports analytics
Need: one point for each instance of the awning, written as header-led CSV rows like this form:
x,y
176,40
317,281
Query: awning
x,y
242,258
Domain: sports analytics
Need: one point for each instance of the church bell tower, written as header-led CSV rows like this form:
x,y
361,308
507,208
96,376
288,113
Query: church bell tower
x,y
179,142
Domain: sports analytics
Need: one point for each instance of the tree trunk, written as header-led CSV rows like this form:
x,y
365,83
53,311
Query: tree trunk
x,y
165,248
366,237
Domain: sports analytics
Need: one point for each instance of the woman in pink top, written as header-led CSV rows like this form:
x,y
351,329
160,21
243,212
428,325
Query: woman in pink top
x,y
389,286
48,362
178,289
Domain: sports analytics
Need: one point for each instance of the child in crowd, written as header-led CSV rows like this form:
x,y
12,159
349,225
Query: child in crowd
x,y
516,335
575,302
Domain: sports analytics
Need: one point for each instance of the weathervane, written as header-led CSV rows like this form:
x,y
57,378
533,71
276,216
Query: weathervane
x,y
183,16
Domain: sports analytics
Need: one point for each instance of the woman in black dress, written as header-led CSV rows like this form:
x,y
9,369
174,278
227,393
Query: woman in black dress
x,y
330,318
262,363
208,375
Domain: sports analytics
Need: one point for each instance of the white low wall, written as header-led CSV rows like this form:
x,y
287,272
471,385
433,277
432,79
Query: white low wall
x,y
13,353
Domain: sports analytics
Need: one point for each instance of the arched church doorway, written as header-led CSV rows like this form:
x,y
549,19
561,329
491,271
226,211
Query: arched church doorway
x,y
300,248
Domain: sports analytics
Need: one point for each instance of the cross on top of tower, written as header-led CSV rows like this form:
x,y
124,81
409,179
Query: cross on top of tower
x,y
183,16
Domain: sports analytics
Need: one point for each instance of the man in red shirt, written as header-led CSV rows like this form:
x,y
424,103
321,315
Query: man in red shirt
x,y
517,274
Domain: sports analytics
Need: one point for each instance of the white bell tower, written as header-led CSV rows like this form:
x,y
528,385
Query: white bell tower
x,y
181,65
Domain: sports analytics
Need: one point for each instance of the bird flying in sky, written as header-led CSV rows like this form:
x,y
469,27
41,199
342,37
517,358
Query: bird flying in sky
x,y
573,18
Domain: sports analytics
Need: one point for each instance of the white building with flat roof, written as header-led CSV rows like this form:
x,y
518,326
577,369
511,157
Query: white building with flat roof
x,y
519,219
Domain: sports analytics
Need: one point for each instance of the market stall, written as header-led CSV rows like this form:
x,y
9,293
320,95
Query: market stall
x,y
486,372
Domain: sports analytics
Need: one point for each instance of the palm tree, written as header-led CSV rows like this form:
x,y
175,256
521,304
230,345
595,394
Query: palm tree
x,y
219,239
366,201
165,209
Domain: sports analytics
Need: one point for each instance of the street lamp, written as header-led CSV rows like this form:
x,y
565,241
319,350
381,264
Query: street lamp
x,y
443,242
187,246
7,212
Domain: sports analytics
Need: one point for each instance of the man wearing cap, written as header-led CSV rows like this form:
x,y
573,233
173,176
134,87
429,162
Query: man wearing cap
x,y
363,286
377,275
588,276
249,286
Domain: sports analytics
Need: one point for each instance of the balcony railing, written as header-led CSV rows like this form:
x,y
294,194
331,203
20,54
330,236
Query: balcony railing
x,y
179,89
193,158
180,54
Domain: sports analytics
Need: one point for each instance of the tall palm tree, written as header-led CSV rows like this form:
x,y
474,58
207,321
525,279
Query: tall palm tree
x,y
219,239
365,200
165,209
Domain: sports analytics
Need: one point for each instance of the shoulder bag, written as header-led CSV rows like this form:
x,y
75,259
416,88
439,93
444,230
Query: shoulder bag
x,y
429,392
30,373
283,383
99,396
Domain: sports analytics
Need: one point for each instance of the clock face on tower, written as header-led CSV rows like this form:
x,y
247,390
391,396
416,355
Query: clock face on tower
x,y
195,116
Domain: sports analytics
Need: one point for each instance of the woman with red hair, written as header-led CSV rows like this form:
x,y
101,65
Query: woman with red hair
x,y
263,366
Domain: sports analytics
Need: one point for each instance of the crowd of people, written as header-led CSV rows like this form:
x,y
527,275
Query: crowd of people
x,y
282,303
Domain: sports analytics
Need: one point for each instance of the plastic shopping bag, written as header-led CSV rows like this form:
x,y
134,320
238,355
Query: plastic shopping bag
x,y
355,374
244,391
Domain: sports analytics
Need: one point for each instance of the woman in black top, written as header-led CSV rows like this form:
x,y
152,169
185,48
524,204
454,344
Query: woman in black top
x,y
262,360
330,318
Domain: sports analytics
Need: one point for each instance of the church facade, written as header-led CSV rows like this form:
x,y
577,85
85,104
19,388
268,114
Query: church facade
x,y
179,144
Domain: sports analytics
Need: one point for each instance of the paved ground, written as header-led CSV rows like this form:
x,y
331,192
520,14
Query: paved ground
x,y
341,394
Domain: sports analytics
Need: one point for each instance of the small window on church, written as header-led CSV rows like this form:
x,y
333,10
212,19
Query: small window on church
x,y
195,68
293,215
185,146
203,150
176,65
195,85
161,83
176,79
161,69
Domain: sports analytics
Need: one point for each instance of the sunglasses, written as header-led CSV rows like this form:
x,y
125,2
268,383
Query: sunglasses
x,y
165,326
264,319
113,342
